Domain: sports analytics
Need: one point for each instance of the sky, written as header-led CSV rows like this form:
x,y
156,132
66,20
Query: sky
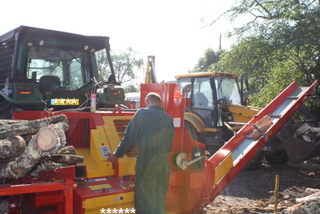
x,y
174,31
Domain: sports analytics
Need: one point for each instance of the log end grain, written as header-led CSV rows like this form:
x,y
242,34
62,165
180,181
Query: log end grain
x,y
47,139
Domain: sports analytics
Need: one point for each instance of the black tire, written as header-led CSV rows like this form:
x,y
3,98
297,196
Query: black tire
x,y
194,134
5,109
254,163
279,157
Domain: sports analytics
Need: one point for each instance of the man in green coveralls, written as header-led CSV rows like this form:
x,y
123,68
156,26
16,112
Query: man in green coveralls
x,y
152,130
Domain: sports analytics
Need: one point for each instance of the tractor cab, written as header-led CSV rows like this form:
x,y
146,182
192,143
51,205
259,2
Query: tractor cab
x,y
208,92
51,69
215,98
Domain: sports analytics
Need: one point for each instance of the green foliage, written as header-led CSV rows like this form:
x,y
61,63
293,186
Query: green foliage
x,y
242,59
280,44
210,57
103,65
132,88
126,65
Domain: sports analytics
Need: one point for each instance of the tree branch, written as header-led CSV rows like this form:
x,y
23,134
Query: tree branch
x,y
218,18
265,9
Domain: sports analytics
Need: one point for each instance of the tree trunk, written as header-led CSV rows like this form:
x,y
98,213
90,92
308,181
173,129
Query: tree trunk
x,y
30,126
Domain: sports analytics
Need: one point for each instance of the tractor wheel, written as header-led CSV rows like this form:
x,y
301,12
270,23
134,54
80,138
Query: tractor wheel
x,y
279,157
5,109
194,134
254,163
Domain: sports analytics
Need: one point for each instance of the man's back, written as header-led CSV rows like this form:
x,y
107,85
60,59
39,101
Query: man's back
x,y
157,129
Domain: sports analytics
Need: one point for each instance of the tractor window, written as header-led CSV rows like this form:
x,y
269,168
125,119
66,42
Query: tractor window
x,y
202,93
227,89
40,67
78,79
68,68
183,86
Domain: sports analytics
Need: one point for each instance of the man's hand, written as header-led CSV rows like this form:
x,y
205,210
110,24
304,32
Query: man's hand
x,y
112,158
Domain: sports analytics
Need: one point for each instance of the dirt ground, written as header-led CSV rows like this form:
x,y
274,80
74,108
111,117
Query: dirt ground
x,y
253,191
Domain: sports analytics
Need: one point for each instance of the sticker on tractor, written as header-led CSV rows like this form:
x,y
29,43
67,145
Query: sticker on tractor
x,y
64,101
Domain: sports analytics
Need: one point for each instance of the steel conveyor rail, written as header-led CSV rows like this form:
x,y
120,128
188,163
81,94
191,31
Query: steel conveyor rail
x,y
230,159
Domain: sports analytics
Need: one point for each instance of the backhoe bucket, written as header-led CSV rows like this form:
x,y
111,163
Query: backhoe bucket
x,y
297,148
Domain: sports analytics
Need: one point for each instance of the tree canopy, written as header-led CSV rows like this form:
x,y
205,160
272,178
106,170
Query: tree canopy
x,y
280,44
209,57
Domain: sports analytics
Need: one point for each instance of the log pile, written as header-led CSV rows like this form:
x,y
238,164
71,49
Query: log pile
x,y
27,147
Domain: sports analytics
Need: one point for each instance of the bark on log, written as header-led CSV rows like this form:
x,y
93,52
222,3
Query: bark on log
x,y
71,159
68,150
39,146
30,126
26,137
4,122
12,147
43,166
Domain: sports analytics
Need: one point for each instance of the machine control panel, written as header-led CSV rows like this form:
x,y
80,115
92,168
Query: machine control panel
x,y
109,185
104,151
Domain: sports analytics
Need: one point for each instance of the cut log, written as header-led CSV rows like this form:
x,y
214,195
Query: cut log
x,y
302,129
306,138
310,191
46,143
313,197
47,139
71,159
67,155
314,129
305,128
12,147
30,126
58,130
261,126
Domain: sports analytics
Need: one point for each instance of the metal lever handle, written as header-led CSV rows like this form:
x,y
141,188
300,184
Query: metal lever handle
x,y
181,160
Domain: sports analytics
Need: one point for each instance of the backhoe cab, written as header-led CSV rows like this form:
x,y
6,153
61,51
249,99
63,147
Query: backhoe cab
x,y
215,98
50,69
